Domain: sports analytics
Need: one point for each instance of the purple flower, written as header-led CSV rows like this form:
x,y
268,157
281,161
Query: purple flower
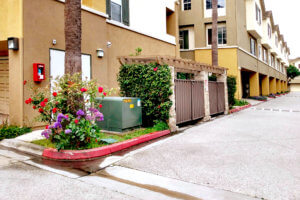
x,y
68,131
93,110
60,117
89,118
80,113
46,133
57,125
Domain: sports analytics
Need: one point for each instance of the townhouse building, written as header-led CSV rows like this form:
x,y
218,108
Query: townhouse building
x,y
250,43
110,28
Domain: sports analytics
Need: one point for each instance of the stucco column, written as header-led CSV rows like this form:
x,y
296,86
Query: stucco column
x,y
203,76
223,78
278,85
273,88
16,84
172,112
282,86
265,86
254,84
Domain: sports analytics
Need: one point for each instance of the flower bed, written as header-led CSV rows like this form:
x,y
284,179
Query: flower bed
x,y
101,151
239,109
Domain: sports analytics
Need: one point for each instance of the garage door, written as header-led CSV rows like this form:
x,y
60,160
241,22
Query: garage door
x,y
295,87
4,94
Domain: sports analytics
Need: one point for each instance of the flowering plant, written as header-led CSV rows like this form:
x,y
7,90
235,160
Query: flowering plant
x,y
70,110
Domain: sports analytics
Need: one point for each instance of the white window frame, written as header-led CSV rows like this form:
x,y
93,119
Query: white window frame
x,y
182,3
219,26
269,30
208,12
255,47
258,14
119,2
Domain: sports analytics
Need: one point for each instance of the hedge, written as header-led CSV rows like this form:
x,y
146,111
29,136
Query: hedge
x,y
151,83
231,85
7,132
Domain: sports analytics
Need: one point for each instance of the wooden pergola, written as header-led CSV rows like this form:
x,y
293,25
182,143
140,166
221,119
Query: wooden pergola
x,y
179,64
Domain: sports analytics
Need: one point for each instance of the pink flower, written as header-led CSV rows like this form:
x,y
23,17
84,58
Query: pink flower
x,y
104,93
155,69
100,89
100,106
76,121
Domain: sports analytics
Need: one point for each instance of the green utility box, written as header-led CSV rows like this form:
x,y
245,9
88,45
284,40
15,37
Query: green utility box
x,y
120,113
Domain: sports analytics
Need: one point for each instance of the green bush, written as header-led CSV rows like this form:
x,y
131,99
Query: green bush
x,y
7,132
241,103
259,98
231,85
212,78
151,83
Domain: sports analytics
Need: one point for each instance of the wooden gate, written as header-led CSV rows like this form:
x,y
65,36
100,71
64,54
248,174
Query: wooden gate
x,y
189,100
4,85
216,97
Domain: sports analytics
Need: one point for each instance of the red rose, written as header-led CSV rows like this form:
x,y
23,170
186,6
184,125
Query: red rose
x,y
155,69
43,104
158,106
24,82
30,100
83,89
54,110
56,103
76,121
41,110
100,89
26,101
104,93
45,100
47,127
100,106
34,107
54,94
67,116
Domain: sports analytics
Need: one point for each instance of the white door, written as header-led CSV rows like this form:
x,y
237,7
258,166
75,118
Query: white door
x,y
57,64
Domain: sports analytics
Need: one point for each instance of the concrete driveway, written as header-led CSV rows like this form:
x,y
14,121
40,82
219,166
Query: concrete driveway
x,y
255,152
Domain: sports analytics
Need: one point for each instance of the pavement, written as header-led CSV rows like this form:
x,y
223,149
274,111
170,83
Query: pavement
x,y
252,154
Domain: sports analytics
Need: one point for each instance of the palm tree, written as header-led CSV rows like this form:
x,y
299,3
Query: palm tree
x,y
73,36
214,45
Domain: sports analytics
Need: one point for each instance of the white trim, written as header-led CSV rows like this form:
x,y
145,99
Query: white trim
x,y
91,10
166,38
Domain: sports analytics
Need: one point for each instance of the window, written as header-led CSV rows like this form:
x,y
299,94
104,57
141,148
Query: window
x,y
253,46
221,4
222,35
259,52
116,11
276,41
184,39
269,31
273,61
258,14
187,5
265,55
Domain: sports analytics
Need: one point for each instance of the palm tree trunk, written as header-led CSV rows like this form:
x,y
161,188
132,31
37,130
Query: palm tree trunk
x,y
73,36
214,45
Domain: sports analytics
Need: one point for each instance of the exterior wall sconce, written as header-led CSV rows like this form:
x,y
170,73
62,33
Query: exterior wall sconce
x,y
100,53
13,43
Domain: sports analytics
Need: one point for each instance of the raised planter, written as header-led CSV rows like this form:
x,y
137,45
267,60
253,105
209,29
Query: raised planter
x,y
240,108
101,151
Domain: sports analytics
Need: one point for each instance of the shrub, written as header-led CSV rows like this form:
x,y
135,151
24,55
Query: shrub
x,y
272,95
241,103
231,85
212,78
151,83
7,132
259,98
70,111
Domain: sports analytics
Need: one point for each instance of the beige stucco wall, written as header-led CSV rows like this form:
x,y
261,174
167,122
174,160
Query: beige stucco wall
x,y
48,24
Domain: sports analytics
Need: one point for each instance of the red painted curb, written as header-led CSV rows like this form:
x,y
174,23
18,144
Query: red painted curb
x,y
101,151
240,108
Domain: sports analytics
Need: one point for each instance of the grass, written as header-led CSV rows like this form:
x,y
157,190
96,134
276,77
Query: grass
x,y
241,103
119,138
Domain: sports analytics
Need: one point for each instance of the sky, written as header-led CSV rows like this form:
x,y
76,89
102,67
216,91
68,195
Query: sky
x,y
286,14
